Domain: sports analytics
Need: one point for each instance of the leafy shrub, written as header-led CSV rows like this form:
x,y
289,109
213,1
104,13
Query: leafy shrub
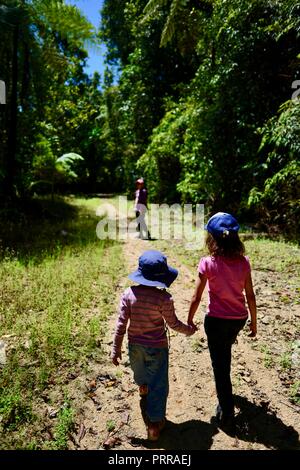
x,y
277,200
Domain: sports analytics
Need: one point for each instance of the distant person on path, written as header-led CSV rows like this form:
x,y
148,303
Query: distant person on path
x,y
228,274
140,206
147,307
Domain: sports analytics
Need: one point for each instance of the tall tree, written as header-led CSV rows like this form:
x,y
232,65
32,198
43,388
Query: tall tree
x,y
150,74
247,55
40,33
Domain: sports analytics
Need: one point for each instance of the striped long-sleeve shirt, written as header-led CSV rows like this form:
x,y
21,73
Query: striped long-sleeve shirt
x,y
146,308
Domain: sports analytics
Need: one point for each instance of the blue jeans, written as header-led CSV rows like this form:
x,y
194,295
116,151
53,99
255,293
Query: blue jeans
x,y
150,366
221,334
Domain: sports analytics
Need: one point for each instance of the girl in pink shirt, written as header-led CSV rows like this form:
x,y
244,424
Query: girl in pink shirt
x,y
228,274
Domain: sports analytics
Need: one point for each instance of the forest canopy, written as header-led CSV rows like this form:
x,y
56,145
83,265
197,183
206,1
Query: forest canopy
x,y
205,104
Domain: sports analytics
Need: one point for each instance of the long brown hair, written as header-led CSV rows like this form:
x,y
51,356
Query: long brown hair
x,y
229,245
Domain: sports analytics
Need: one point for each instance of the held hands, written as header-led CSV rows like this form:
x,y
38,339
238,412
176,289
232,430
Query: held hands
x,y
193,327
116,357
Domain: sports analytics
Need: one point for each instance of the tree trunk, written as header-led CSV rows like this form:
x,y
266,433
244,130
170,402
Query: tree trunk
x,y
9,191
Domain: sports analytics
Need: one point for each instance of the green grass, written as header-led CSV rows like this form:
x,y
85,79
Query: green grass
x,y
13,408
198,344
273,255
63,427
285,360
110,425
294,392
268,359
55,298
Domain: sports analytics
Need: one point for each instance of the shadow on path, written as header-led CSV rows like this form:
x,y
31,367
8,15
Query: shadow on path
x,y
254,423
190,435
260,424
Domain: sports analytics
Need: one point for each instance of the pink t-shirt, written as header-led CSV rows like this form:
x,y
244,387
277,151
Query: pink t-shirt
x,y
226,282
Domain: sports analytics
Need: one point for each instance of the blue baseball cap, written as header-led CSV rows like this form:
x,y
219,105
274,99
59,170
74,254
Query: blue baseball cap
x,y
222,223
153,270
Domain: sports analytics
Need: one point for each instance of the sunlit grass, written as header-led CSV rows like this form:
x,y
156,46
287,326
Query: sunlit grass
x,y
54,303
274,255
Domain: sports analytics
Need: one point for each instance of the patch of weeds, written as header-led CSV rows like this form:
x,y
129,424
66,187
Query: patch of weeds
x,y
43,376
119,374
285,361
14,409
110,425
32,445
294,392
92,332
198,345
63,428
236,381
268,360
285,299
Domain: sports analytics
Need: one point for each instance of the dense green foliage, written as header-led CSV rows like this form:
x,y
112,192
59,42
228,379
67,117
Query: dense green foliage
x,y
200,89
201,105
52,105
277,198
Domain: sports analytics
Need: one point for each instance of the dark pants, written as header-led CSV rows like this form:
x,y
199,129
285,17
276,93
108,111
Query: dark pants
x,y
221,334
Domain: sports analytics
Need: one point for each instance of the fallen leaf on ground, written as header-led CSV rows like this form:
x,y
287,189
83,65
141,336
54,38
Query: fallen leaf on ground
x,y
81,433
111,442
53,413
110,383
125,417
92,385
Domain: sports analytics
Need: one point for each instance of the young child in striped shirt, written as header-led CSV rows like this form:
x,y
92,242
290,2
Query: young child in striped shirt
x,y
148,306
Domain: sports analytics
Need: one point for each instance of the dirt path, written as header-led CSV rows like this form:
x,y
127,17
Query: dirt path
x,y
265,419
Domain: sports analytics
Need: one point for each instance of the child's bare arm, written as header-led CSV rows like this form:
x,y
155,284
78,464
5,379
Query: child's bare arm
x,y
121,326
199,288
251,304
169,314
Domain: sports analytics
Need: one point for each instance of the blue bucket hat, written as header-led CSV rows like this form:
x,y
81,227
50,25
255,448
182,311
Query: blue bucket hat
x,y
153,270
221,224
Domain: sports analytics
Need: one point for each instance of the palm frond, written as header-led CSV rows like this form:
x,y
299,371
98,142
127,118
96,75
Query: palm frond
x,y
152,7
69,158
177,7
65,164
65,19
